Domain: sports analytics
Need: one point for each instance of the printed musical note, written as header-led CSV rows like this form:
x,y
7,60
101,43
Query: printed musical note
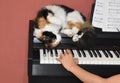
x,y
107,15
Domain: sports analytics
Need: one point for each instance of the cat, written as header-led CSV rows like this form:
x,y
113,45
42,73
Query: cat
x,y
54,18
49,35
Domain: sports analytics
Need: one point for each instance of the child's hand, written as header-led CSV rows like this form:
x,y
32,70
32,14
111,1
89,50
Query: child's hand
x,y
67,60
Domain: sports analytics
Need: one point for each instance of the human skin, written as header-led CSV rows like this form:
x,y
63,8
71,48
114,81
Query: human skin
x,y
70,64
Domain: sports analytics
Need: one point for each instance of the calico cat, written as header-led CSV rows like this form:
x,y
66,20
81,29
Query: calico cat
x,y
49,34
54,18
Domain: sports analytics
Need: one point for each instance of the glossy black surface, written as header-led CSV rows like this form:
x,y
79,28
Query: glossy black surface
x,y
44,73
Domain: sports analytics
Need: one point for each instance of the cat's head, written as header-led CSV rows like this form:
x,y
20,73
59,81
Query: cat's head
x,y
48,38
41,18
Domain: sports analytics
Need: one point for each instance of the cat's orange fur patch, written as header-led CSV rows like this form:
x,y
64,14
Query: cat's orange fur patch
x,y
42,22
75,24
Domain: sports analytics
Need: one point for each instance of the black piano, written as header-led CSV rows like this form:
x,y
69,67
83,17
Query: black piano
x,y
102,59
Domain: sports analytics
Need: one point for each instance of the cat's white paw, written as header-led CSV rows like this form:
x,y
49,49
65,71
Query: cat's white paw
x,y
38,33
70,34
57,41
54,44
75,38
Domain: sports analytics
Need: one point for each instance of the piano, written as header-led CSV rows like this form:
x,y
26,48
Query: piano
x,y
102,59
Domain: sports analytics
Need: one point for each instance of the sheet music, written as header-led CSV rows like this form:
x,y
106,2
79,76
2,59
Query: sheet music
x,y
107,15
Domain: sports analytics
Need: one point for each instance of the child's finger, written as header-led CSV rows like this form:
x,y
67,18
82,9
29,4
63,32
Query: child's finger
x,y
69,52
76,60
58,59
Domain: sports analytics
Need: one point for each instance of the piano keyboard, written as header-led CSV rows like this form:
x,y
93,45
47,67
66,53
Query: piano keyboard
x,y
111,57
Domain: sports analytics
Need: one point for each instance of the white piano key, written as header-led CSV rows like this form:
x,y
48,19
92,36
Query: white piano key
x,y
75,54
54,57
50,59
115,60
41,56
64,51
104,59
98,60
46,61
95,60
47,58
59,52
82,59
88,58
118,54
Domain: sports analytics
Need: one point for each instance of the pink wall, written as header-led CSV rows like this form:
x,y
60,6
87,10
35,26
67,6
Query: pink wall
x,y
14,21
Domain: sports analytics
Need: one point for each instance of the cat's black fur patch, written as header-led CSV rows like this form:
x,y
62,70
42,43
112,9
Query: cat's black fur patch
x,y
42,13
87,40
49,36
67,9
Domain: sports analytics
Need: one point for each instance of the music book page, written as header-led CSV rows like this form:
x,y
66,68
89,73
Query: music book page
x,y
107,15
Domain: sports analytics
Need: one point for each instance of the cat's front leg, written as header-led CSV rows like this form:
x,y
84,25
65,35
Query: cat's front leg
x,y
57,41
67,31
38,33
70,32
75,30
52,19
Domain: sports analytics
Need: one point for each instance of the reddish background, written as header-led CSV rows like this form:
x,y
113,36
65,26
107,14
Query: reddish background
x,y
14,21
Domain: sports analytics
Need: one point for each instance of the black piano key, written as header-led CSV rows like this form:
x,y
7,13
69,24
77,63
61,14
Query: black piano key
x,y
47,52
109,53
116,53
105,53
72,52
44,53
51,53
94,53
99,53
56,53
63,51
83,53
90,53
79,54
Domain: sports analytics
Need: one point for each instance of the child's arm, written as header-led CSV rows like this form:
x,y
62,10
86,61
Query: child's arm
x,y
71,65
85,76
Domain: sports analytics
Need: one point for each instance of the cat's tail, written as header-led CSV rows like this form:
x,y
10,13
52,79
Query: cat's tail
x,y
86,36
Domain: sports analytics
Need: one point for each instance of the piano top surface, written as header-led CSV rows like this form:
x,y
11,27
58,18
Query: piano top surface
x,y
104,40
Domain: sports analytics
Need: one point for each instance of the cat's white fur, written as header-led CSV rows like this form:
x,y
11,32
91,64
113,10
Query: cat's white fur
x,y
61,19
52,28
